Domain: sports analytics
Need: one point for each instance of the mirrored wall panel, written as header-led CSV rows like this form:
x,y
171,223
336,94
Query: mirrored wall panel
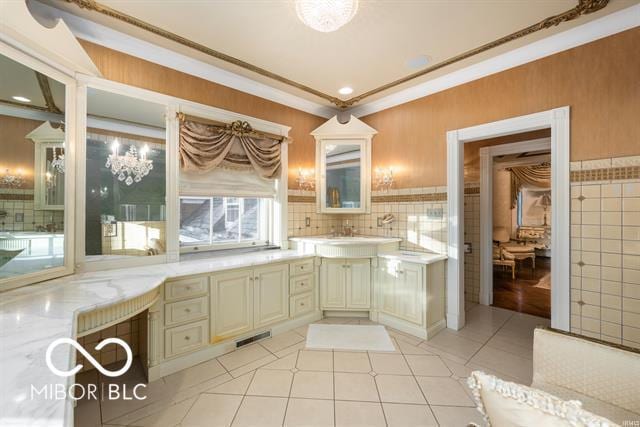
x,y
32,170
343,163
126,177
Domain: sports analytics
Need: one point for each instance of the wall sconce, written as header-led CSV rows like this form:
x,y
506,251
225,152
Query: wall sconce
x,y
306,179
384,179
12,181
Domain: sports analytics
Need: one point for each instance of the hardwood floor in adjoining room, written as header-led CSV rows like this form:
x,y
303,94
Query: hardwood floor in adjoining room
x,y
524,294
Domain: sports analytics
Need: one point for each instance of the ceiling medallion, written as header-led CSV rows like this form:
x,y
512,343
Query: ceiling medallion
x,y
326,15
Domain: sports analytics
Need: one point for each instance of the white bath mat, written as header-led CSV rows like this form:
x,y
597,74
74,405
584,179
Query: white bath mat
x,y
349,337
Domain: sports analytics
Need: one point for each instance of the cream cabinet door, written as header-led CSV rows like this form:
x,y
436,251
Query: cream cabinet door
x,y
333,283
410,298
387,278
231,304
358,274
270,295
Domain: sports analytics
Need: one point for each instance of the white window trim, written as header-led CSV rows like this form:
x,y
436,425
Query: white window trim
x,y
265,227
173,106
48,69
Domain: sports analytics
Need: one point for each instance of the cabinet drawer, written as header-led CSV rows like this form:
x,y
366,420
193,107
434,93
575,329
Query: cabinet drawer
x,y
301,284
301,267
183,339
185,311
301,304
185,288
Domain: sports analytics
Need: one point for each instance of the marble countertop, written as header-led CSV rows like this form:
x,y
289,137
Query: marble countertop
x,y
32,317
346,240
416,257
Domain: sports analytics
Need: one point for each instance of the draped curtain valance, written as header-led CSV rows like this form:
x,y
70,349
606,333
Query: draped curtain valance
x,y
538,176
236,145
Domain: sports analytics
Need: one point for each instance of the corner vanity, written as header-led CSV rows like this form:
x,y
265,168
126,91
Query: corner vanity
x,y
371,277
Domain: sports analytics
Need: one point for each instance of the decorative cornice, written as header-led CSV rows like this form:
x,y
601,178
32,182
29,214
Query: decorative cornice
x,y
583,7
45,88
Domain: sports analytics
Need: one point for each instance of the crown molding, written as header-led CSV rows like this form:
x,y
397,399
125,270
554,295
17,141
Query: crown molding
x,y
608,25
116,40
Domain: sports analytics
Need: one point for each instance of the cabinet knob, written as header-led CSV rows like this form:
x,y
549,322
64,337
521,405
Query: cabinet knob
x,y
401,271
188,310
301,304
188,288
187,338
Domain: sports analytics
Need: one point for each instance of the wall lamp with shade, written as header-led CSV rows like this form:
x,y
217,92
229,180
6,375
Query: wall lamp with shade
x,y
384,178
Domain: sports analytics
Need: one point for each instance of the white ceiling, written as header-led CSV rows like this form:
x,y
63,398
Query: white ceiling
x,y
371,50
19,80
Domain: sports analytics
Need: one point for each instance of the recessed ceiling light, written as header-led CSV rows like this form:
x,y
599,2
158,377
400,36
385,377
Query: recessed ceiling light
x,y
345,90
21,98
419,61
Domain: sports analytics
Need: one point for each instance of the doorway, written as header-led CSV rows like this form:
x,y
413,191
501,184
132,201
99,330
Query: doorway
x,y
557,120
515,208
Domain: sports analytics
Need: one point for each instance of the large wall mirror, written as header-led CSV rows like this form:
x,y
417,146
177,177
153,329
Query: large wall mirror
x,y
125,192
32,172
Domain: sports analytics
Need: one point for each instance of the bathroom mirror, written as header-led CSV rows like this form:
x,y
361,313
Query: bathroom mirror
x,y
343,175
125,193
343,166
32,173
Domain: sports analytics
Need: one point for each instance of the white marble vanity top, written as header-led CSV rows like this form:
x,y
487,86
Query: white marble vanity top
x,y
346,240
32,317
416,257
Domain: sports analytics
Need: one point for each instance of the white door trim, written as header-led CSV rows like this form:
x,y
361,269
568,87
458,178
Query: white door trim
x,y
559,121
486,207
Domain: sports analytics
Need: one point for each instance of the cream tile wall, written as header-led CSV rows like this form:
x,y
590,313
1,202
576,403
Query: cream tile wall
x,y
605,243
422,224
20,202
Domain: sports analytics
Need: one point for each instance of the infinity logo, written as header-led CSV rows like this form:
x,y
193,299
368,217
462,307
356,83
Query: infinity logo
x,y
90,358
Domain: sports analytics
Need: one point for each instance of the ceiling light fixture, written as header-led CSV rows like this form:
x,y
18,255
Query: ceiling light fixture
x,y
326,15
345,90
418,62
21,98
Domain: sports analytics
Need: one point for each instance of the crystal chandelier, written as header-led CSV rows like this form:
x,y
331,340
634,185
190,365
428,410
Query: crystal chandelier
x,y
131,167
326,15
58,163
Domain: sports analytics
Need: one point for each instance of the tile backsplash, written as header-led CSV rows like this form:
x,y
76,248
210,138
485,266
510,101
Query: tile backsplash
x,y
420,217
17,212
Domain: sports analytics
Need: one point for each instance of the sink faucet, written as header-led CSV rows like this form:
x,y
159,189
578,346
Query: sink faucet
x,y
348,229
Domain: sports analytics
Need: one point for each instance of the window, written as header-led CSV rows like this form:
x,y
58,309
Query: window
x,y
221,222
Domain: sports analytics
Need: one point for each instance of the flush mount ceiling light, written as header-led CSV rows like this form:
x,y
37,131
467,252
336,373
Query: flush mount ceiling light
x,y
326,15
21,98
418,62
345,90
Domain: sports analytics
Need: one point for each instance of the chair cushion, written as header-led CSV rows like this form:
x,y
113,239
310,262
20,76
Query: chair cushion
x,y
603,409
503,403
519,249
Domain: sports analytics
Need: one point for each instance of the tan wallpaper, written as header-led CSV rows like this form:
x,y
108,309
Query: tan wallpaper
x,y
17,151
598,80
134,71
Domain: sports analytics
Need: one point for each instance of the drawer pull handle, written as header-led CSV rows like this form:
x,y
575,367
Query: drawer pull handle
x,y
187,338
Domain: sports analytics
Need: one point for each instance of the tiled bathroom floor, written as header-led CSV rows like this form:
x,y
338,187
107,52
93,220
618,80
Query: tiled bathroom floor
x,y
277,382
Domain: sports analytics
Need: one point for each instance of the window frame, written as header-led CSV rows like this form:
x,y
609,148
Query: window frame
x,y
266,228
277,213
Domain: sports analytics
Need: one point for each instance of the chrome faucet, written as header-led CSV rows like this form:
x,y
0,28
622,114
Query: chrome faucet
x,y
348,229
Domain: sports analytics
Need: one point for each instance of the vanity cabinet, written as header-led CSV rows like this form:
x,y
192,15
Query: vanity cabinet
x,y
244,300
411,296
345,284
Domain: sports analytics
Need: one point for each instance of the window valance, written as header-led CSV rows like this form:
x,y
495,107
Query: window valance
x,y
204,147
538,176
